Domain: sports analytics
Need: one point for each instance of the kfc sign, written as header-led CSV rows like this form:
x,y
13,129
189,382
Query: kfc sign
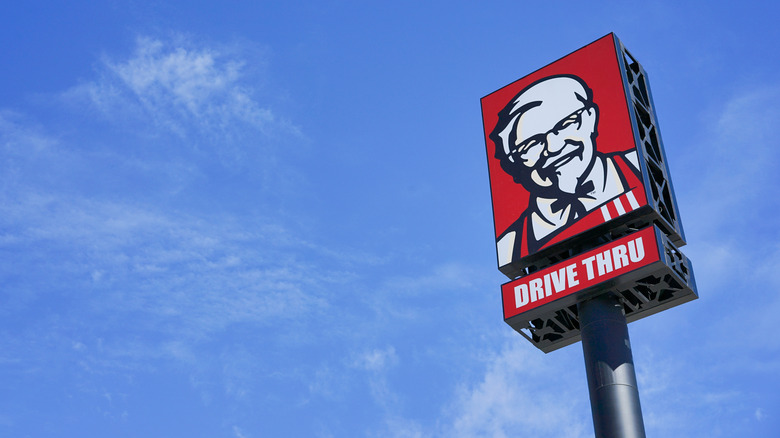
x,y
563,156
582,199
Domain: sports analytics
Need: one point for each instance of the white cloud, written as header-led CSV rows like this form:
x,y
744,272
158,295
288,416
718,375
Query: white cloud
x,y
19,139
80,208
726,192
175,107
727,195
396,427
377,360
448,275
522,390
731,175
239,433
135,277
177,86
729,204
155,284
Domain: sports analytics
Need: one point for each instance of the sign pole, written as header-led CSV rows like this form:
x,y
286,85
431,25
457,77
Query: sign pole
x,y
609,364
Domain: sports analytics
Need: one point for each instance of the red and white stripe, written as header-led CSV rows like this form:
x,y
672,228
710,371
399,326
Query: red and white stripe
x,y
619,206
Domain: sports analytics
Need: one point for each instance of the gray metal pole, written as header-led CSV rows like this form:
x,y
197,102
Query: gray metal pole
x,y
614,396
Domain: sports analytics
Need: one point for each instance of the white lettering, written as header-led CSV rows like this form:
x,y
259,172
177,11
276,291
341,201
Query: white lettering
x,y
571,275
636,251
588,262
604,263
619,256
559,279
547,287
537,292
521,295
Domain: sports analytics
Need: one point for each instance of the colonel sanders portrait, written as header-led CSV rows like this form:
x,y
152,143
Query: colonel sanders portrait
x,y
545,140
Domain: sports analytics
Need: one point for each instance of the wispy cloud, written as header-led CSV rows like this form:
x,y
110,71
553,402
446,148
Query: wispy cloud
x,y
729,202
376,360
106,214
179,107
210,271
175,85
397,427
517,392
681,392
239,433
731,173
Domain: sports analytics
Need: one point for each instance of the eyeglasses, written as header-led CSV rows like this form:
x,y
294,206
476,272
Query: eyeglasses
x,y
571,119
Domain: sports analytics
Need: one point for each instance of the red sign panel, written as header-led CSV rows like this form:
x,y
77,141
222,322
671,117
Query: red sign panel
x,y
561,153
584,271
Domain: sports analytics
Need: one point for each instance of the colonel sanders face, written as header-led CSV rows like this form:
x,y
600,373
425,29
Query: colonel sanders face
x,y
545,137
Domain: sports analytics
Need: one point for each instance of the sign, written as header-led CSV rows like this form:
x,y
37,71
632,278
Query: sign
x,y
563,156
583,203
644,269
584,271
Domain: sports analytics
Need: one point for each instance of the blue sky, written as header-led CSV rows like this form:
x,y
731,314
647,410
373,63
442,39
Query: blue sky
x,y
273,219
